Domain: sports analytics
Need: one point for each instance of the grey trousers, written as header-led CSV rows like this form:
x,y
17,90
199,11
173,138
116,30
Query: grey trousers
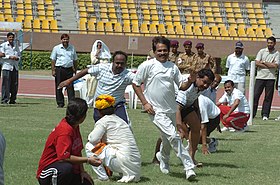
x,y
9,86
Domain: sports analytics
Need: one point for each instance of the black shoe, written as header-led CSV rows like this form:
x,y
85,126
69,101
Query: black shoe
x,y
3,102
12,102
60,106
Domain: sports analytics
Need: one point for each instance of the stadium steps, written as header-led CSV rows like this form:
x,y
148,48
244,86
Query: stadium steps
x,y
67,15
273,13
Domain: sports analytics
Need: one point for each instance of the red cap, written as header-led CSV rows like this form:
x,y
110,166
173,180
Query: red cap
x,y
187,42
199,45
174,43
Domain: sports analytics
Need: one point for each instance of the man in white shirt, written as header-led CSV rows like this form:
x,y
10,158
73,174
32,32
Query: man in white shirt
x,y
267,62
159,77
238,64
235,111
10,70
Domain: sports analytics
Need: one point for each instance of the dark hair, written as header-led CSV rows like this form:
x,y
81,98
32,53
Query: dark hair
x,y
206,72
160,40
107,111
273,39
76,109
10,33
64,35
230,82
120,53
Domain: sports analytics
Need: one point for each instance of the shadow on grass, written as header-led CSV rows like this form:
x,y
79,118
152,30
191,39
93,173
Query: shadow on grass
x,y
142,179
216,175
220,165
229,139
225,151
181,176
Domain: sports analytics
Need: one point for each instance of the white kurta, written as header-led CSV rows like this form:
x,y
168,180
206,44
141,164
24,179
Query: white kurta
x,y
121,153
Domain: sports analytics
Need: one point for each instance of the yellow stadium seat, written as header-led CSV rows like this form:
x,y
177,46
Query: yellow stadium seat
x,y
27,24
161,29
118,28
91,26
188,30
109,28
144,28
100,26
20,18
197,31
153,29
10,19
206,31
45,26
268,32
259,33
36,25
170,29
126,28
53,26
257,5
241,32
135,28
215,31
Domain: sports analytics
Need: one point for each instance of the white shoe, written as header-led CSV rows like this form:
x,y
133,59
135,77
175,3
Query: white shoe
x,y
212,146
190,175
164,167
225,129
278,118
265,118
232,129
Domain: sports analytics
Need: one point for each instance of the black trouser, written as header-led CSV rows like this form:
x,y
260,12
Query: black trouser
x,y
60,173
212,124
61,75
260,85
9,86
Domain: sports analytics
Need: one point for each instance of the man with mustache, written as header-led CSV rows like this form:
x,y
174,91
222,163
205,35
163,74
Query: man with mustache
x,y
203,60
238,64
235,111
186,59
174,54
113,78
267,62
159,77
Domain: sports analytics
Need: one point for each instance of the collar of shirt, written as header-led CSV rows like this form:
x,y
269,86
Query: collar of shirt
x,y
266,49
111,70
241,56
62,47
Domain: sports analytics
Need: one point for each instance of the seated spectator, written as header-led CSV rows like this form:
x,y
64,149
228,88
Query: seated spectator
x,y
235,111
113,142
61,161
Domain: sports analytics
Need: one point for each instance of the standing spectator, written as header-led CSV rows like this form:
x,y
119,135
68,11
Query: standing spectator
x,y
10,70
159,77
235,111
238,64
203,60
64,64
113,142
2,153
186,59
113,78
267,62
1,55
61,161
278,89
174,54
100,53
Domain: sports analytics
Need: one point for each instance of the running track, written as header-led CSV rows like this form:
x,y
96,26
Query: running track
x,y
43,86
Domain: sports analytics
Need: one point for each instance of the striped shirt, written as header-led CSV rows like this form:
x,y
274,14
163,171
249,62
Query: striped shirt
x,y
110,83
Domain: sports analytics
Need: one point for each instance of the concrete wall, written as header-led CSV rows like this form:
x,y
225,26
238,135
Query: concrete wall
x,y
83,43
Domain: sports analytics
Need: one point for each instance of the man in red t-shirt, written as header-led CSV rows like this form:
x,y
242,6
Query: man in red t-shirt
x,y
61,161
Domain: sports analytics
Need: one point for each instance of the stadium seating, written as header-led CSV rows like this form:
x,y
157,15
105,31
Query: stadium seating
x,y
228,20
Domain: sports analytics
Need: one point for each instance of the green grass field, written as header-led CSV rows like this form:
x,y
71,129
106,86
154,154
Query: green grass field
x,y
242,158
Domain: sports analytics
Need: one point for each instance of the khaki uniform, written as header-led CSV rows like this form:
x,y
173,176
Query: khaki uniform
x,y
173,57
184,62
206,61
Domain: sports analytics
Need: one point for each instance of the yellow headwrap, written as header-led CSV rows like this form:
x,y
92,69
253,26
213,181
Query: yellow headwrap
x,y
104,101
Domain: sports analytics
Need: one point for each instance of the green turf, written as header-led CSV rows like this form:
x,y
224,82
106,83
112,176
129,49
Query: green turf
x,y
242,158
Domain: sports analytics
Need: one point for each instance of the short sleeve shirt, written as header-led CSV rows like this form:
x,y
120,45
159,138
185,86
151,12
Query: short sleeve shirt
x,y
237,67
64,57
188,97
208,109
236,94
184,62
273,57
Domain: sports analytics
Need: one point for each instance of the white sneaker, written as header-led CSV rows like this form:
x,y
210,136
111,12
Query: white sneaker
x,y
232,129
278,118
190,175
265,118
164,167
212,146
225,129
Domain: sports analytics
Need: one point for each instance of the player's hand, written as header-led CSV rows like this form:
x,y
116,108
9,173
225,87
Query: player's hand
x,y
205,149
63,84
149,108
53,73
94,161
225,117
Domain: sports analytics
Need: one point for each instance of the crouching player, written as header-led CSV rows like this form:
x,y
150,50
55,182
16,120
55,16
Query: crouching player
x,y
112,141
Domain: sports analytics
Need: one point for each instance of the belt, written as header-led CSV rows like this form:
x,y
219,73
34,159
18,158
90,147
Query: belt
x,y
60,67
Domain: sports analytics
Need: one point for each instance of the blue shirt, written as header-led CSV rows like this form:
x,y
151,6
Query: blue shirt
x,y
110,83
64,57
